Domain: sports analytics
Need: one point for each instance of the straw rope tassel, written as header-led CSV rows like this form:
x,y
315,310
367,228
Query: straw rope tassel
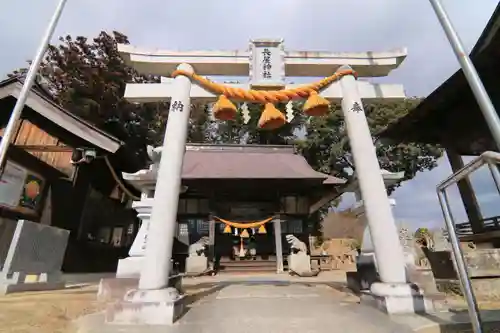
x,y
271,118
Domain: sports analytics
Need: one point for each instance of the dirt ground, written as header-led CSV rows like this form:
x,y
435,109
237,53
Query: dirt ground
x,y
51,311
54,312
46,312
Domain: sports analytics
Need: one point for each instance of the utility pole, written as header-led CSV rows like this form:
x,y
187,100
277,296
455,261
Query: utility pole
x,y
28,83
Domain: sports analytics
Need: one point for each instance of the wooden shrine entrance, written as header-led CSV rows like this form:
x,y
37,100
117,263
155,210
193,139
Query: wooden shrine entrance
x,y
245,249
253,243
242,184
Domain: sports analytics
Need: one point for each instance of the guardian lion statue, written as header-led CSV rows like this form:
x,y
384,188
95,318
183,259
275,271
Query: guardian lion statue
x,y
198,248
295,244
153,154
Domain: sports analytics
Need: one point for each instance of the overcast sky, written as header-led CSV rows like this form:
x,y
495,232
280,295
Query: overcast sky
x,y
325,25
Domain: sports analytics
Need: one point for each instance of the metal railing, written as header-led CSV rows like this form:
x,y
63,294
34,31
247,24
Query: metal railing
x,y
487,225
491,159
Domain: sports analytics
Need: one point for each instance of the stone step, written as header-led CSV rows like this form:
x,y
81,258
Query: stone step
x,y
258,258
252,263
248,266
252,269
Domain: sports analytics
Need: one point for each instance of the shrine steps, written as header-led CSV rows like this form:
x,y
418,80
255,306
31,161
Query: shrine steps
x,y
258,265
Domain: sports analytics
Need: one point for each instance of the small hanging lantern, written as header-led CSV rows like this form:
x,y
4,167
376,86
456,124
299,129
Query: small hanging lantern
x,y
271,118
262,229
316,105
224,109
227,229
244,234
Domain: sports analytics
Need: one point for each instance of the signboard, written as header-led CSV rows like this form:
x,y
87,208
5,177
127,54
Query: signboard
x,y
12,184
267,63
32,192
20,189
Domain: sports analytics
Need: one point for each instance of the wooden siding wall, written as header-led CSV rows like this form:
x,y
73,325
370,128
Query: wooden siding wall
x,y
32,135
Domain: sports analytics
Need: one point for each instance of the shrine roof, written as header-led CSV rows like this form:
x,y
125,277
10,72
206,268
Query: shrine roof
x,y
239,162
249,162
450,116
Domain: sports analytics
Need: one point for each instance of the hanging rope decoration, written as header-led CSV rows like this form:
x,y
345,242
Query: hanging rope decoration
x,y
245,226
271,118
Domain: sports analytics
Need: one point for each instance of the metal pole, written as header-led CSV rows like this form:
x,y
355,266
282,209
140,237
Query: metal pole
x,y
28,83
482,98
459,262
495,173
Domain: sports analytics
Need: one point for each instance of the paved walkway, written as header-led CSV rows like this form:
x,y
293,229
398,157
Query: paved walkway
x,y
282,307
280,303
272,307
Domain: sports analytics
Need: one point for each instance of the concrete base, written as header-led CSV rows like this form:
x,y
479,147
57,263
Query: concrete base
x,y
129,267
299,263
146,307
353,281
196,264
115,289
365,275
36,286
397,299
424,279
20,281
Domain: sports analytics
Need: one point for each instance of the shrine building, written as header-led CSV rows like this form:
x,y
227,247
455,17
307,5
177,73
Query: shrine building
x,y
271,187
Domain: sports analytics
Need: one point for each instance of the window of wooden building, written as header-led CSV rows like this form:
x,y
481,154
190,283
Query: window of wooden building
x,y
193,206
292,226
295,205
196,225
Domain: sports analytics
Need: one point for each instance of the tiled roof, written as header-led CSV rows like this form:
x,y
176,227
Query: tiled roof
x,y
250,163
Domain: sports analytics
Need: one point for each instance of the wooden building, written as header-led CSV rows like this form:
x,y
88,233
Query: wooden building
x,y
450,117
244,184
58,174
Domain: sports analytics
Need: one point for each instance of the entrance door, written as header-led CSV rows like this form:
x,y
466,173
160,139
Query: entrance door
x,y
256,246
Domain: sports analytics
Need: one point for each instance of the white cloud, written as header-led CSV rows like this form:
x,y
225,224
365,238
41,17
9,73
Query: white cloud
x,y
331,25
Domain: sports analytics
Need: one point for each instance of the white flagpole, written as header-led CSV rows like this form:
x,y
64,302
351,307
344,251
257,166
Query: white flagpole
x,y
470,72
28,83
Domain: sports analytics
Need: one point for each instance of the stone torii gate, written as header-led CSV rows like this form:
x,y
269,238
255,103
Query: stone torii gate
x,y
267,64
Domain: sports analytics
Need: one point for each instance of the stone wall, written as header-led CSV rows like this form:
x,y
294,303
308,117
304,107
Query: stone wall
x,y
343,256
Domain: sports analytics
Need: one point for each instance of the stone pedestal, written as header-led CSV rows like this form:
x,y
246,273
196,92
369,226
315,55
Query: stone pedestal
x,y
196,264
299,263
397,298
365,275
146,307
131,267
